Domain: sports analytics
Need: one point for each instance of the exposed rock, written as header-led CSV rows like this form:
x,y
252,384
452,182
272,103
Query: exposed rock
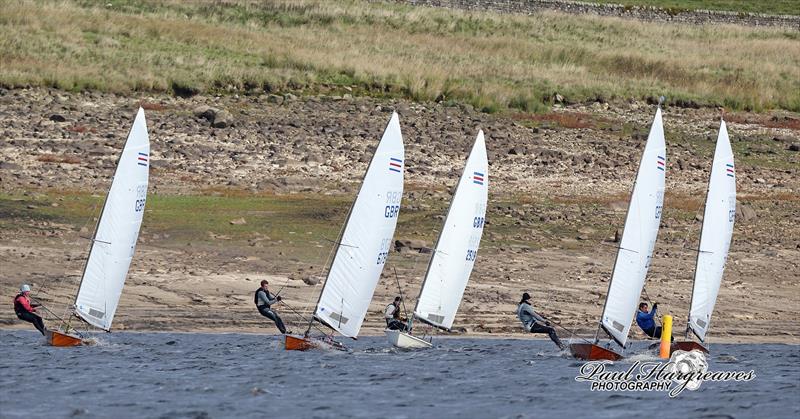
x,y
410,244
58,118
238,221
206,112
745,212
311,279
223,119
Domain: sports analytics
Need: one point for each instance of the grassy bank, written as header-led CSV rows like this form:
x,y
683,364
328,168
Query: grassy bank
x,y
772,7
493,62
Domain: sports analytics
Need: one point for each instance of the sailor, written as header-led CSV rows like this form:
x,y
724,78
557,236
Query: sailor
x,y
646,320
264,300
25,309
533,322
392,316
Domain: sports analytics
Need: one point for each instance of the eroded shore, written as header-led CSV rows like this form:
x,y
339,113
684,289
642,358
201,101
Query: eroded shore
x,y
288,167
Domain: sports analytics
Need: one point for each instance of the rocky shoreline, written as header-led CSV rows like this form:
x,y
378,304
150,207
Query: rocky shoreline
x,y
559,190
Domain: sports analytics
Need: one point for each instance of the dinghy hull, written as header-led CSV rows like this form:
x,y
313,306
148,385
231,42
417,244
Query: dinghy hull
x,y
591,352
299,343
687,346
55,338
303,343
404,340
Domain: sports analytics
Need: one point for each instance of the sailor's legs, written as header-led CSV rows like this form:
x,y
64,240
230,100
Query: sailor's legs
x,y
36,320
274,317
540,328
395,324
656,333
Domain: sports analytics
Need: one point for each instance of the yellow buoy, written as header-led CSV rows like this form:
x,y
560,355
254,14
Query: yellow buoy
x,y
666,336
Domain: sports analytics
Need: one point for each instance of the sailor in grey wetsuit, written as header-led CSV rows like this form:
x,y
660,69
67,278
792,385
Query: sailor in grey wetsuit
x,y
533,322
264,300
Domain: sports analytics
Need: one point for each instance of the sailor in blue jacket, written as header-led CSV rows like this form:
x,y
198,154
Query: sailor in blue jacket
x,y
645,320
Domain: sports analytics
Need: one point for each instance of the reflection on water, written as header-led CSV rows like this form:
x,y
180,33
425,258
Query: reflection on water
x,y
177,375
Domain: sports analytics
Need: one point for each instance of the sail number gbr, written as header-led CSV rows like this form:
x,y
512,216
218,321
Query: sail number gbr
x,y
472,247
383,252
392,209
141,197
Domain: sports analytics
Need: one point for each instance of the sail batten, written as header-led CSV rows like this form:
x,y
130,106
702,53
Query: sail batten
x,y
456,249
356,267
715,235
116,232
638,237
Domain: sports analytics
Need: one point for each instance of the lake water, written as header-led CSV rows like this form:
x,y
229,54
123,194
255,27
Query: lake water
x,y
192,375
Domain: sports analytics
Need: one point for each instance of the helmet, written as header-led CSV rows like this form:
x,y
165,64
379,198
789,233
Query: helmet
x,y
25,288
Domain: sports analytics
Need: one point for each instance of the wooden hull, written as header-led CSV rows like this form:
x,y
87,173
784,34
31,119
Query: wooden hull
x,y
590,352
303,343
406,340
687,346
56,338
298,343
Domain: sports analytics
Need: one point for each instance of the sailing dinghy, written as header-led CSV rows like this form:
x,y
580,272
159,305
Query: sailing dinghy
x,y
114,239
362,248
635,249
454,256
715,240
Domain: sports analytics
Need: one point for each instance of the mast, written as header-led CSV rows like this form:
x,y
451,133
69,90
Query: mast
x,y
448,269
333,259
720,191
620,248
100,218
433,256
344,272
699,250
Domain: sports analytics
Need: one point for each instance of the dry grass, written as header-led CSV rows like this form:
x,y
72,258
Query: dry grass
x,y
491,61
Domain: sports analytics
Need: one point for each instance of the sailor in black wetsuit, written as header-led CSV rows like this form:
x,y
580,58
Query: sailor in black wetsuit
x,y
264,300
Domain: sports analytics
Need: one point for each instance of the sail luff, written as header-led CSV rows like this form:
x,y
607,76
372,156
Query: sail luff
x,y
715,236
438,240
365,244
456,250
338,245
638,238
120,219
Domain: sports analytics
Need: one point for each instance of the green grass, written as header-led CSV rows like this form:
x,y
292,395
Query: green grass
x,y
493,62
302,225
770,7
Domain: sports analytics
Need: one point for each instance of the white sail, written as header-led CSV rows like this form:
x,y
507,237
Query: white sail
x,y
638,238
367,238
117,231
452,261
715,237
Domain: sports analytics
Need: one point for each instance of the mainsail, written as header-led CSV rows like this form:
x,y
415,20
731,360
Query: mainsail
x,y
715,236
117,230
457,247
367,238
638,238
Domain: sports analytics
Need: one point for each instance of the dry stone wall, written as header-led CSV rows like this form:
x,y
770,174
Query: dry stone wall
x,y
698,17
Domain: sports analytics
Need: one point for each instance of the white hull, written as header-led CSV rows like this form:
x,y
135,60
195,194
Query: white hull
x,y
406,341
